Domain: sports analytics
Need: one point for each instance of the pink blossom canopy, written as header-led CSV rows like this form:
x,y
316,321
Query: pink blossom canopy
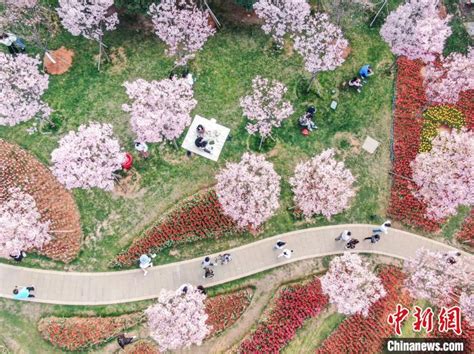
x,y
161,109
249,190
21,88
445,175
351,286
22,228
322,185
466,302
265,106
182,26
178,321
87,158
416,30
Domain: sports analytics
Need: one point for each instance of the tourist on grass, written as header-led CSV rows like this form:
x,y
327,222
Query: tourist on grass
x,y
200,131
286,253
23,293
305,121
208,273
279,245
203,144
145,262
374,238
14,45
142,149
345,236
207,262
356,83
123,340
352,243
19,257
366,71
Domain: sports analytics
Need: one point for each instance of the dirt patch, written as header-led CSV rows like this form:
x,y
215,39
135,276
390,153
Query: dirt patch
x,y
238,14
129,186
63,58
118,60
346,144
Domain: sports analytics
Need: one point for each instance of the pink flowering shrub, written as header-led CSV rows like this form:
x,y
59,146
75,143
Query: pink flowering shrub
x,y
161,109
455,74
322,185
177,321
21,88
265,106
182,26
22,228
249,190
416,30
431,277
466,302
22,3
282,17
445,175
321,44
87,158
351,286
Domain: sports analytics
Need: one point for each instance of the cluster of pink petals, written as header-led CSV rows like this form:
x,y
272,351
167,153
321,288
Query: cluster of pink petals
x,y
351,286
466,302
87,158
161,110
431,277
455,75
21,88
22,228
265,106
445,175
249,190
182,26
22,3
322,185
178,321
416,30
282,17
87,18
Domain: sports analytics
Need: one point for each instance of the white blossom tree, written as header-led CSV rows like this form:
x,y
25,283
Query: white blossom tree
x,y
430,276
21,88
416,30
322,185
351,286
445,174
89,19
87,158
249,190
265,107
21,226
282,17
455,74
178,321
161,110
182,26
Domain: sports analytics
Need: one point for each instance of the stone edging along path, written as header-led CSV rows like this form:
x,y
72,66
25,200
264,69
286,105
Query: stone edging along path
x,y
73,288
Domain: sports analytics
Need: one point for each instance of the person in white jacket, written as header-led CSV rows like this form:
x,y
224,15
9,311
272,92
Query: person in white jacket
x,y
9,39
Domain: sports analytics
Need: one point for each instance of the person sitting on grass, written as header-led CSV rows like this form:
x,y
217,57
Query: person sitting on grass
x,y
365,72
356,83
306,120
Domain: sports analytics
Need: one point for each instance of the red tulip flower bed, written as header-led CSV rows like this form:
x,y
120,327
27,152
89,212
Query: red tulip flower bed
x,y
292,306
198,218
467,334
466,234
358,334
142,347
224,310
79,333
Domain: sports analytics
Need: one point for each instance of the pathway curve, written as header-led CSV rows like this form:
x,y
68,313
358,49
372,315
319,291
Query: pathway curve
x,y
73,288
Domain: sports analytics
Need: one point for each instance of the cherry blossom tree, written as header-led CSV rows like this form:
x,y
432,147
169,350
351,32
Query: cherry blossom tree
x,y
265,106
22,228
21,88
322,185
416,30
87,158
176,320
445,175
430,276
89,19
249,190
321,44
282,17
161,109
466,302
182,26
456,74
351,286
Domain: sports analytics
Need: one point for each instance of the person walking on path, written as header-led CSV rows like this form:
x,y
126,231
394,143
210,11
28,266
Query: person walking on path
x,y
223,258
201,289
374,238
123,340
382,228
345,236
286,253
23,293
206,263
208,273
183,289
279,245
351,244
142,149
145,262
19,257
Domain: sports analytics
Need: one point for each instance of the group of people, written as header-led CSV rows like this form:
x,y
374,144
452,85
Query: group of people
x,y
207,264
357,82
201,142
306,120
346,235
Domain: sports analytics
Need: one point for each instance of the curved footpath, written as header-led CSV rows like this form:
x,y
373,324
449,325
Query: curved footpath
x,y
72,288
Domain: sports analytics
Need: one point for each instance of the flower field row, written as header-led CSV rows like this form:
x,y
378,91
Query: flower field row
x,y
79,333
142,347
198,218
224,310
292,306
358,334
466,234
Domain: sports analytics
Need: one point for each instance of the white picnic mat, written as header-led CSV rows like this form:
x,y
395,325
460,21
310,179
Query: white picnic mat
x,y
216,134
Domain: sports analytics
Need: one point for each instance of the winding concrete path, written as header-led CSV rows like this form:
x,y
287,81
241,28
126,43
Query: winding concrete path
x,y
72,288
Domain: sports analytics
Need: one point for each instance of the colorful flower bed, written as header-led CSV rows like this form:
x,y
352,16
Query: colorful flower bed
x,y
142,347
200,217
292,306
224,310
79,333
358,334
467,335
466,234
